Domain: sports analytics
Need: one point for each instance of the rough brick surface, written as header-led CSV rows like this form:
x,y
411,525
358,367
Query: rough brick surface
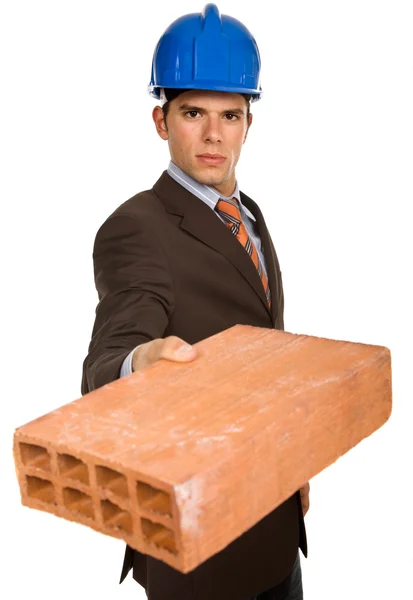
x,y
180,459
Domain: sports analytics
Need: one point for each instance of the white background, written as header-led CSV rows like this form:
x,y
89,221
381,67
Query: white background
x,y
328,159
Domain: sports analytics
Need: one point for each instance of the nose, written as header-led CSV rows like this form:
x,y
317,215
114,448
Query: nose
x,y
212,129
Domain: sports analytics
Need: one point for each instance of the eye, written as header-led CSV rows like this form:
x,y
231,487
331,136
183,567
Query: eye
x,y
192,112
231,115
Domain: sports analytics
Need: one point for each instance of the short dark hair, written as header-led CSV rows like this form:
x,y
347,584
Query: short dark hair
x,y
172,93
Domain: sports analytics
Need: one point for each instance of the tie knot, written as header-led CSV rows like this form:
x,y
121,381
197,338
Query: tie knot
x,y
229,209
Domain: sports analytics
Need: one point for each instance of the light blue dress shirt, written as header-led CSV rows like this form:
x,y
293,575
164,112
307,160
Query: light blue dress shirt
x,y
210,196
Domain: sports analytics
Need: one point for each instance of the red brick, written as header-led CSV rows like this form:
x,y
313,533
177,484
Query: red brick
x,y
164,457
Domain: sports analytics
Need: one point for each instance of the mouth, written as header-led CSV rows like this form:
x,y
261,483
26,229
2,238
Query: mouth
x,y
211,159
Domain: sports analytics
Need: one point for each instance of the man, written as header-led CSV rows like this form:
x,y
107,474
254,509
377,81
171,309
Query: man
x,y
190,258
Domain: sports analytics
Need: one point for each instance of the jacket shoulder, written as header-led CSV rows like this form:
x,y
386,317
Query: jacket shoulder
x,y
146,202
144,207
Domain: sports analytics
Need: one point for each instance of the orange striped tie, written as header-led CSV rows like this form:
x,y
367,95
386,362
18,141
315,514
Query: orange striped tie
x,y
230,212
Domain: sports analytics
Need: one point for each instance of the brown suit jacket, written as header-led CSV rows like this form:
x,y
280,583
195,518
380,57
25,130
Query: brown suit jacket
x,y
165,264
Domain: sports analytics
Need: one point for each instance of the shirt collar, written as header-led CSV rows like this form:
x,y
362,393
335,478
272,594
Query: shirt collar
x,y
206,193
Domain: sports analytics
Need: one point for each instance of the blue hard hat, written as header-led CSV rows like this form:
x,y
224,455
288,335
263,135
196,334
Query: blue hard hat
x,y
207,51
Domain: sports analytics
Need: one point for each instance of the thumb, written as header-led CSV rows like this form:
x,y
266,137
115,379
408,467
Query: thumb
x,y
185,351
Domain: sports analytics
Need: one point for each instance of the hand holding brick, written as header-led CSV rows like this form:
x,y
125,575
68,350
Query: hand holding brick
x,y
162,458
170,348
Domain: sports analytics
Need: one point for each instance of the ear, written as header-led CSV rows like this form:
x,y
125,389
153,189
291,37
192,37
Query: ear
x,y
249,125
157,116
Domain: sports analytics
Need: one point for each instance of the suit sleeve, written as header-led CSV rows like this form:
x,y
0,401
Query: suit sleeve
x,y
136,296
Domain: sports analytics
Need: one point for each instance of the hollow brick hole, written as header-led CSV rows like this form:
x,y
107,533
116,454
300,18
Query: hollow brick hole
x,y
112,480
159,535
33,455
152,499
41,489
72,468
78,502
114,516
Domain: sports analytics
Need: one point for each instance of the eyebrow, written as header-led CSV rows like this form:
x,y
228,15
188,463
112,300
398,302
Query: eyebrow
x,y
188,107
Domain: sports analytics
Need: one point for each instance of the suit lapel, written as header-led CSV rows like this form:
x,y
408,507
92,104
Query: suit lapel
x,y
200,221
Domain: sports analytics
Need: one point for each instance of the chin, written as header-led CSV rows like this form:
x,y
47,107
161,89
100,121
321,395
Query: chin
x,y
209,179
212,172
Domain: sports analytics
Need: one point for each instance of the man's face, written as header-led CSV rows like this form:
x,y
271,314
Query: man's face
x,y
203,122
